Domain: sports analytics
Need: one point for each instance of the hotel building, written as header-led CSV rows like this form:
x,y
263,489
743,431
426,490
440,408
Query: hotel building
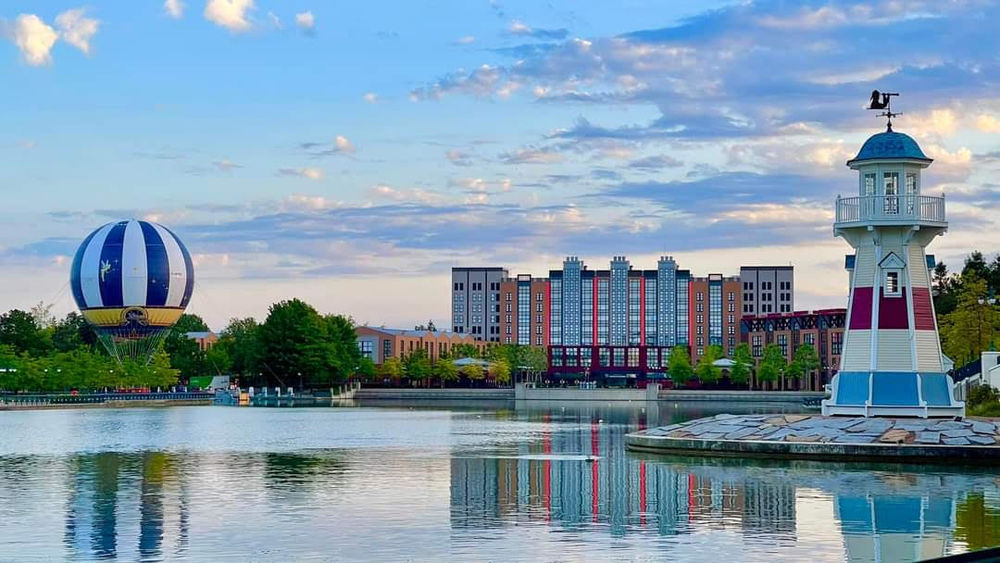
x,y
616,321
475,302
379,344
767,289
524,311
714,314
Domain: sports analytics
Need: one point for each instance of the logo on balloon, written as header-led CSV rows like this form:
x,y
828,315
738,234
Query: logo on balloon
x,y
135,316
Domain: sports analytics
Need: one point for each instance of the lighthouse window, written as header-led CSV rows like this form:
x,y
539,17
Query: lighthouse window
x,y
911,183
869,184
892,283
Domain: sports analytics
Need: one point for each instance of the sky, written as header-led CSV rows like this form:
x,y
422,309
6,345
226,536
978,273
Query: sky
x,y
351,153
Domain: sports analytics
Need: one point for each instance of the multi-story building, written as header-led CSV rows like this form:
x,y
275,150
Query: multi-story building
x,y
767,289
524,311
475,302
617,321
379,344
714,314
823,330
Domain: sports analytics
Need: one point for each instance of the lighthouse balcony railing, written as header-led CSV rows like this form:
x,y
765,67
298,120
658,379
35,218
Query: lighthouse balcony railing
x,y
890,209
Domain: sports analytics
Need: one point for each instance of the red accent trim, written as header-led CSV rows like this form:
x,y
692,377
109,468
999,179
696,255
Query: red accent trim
x,y
861,309
594,477
892,311
923,309
593,313
642,312
546,470
642,493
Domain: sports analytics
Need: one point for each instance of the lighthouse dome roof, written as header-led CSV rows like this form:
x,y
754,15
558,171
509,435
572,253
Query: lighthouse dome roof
x,y
889,145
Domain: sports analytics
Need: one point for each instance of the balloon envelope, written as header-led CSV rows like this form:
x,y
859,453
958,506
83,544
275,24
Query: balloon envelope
x,y
132,280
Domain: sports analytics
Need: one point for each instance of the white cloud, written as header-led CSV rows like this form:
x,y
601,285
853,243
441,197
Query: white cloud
x,y
34,38
467,40
532,156
275,20
417,195
174,8
230,14
458,158
371,97
306,21
226,165
343,145
309,173
519,28
77,29
988,123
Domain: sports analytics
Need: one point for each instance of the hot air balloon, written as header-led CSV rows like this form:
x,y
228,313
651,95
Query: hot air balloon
x,y
132,280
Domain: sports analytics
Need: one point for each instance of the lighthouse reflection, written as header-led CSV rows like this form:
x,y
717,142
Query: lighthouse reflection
x,y
878,512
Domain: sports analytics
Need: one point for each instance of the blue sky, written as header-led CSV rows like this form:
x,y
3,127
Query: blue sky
x,y
351,153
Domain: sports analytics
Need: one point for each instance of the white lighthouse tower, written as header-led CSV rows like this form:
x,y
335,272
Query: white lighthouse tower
x,y
891,363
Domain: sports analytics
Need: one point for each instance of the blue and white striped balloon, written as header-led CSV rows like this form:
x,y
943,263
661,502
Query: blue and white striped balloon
x,y
136,266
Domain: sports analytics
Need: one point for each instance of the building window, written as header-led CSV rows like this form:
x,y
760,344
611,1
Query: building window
x,y
633,357
892,283
732,296
700,307
756,346
732,307
604,357
701,352
619,354
836,342
700,296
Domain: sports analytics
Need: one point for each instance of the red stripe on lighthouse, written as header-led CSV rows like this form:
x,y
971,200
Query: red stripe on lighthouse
x,y
861,309
923,309
892,313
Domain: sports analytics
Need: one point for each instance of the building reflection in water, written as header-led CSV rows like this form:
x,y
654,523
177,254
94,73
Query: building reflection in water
x,y
882,513
107,489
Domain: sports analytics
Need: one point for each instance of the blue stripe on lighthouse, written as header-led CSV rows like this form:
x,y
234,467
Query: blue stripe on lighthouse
x,y
157,267
110,267
74,277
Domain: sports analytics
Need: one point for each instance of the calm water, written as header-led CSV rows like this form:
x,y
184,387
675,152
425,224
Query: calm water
x,y
224,483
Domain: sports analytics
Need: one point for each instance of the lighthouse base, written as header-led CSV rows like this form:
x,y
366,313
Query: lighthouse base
x,y
896,394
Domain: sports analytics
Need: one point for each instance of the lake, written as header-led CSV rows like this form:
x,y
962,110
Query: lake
x,y
431,482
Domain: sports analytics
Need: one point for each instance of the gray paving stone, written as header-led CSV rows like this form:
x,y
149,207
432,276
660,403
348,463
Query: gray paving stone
x,y
982,440
951,425
983,427
872,425
956,441
914,425
710,436
928,437
964,433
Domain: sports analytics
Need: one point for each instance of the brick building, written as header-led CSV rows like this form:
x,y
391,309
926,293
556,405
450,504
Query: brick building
x,y
823,329
714,315
524,311
378,344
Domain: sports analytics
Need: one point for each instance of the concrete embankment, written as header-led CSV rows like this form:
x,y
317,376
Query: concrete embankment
x,y
113,404
378,394
527,393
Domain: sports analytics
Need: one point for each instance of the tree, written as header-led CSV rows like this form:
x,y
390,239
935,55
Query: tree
x,y
975,265
706,371
944,289
20,331
806,361
391,368
679,366
739,374
366,368
772,365
417,365
42,314
73,332
344,355
472,372
240,341
292,343
445,370
972,326
459,351
185,354
500,371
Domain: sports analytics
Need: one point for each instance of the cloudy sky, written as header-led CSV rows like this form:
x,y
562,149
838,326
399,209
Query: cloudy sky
x,y
351,153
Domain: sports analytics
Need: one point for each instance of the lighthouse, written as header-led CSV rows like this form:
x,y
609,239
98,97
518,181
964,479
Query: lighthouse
x,y
891,363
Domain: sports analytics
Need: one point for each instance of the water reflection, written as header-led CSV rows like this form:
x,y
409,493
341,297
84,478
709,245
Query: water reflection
x,y
577,475
515,483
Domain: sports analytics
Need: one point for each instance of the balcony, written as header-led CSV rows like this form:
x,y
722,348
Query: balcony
x,y
890,210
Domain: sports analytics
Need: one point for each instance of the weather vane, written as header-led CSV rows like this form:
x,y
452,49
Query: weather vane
x,y
880,100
